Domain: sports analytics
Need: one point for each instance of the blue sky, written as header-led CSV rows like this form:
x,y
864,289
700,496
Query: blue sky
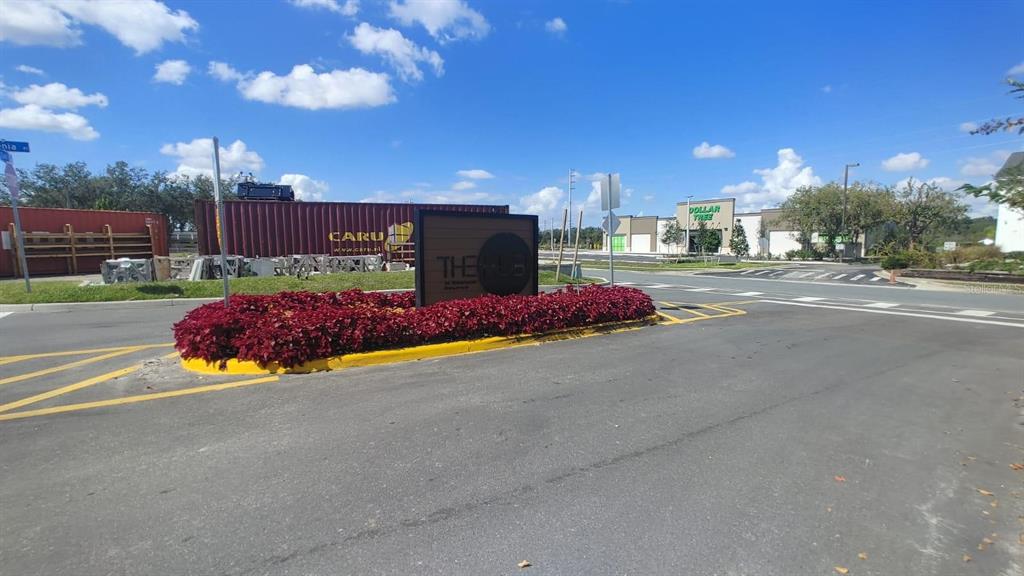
x,y
391,100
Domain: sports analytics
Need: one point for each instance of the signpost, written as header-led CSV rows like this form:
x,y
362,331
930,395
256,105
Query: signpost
x,y
12,188
462,255
221,230
610,187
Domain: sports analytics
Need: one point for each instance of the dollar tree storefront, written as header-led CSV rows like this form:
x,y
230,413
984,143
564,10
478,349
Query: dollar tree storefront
x,y
718,215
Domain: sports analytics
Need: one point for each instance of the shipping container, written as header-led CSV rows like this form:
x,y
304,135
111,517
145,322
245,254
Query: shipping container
x,y
66,241
271,229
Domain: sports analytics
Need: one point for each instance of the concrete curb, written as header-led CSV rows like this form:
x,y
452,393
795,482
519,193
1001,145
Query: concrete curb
x,y
426,351
157,302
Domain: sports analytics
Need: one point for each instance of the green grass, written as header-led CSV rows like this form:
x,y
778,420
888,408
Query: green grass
x,y
656,266
50,291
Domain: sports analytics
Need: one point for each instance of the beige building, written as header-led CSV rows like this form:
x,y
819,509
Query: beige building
x,y
718,214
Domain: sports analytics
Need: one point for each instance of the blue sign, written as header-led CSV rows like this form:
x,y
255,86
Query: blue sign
x,y
13,146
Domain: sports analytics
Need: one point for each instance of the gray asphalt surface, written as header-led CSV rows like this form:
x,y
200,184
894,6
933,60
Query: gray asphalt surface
x,y
785,441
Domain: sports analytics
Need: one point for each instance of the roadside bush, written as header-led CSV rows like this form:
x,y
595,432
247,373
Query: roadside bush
x,y
803,254
970,253
895,262
293,327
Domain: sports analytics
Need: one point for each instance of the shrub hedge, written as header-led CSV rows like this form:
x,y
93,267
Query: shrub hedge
x,y
294,327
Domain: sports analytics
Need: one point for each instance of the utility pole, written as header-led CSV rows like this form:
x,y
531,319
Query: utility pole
x,y
572,186
221,225
846,178
688,224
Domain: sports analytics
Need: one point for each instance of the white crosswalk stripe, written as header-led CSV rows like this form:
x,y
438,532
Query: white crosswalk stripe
x,y
825,275
857,277
762,272
882,305
750,293
839,276
746,272
807,299
620,283
876,278
975,313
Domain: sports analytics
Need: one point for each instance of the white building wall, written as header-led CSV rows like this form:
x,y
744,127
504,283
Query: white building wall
x,y
1009,229
640,243
751,223
782,241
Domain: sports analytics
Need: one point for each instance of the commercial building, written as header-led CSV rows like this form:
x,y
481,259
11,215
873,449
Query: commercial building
x,y
1009,221
768,234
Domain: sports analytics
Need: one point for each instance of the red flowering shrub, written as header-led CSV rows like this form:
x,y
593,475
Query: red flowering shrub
x,y
292,327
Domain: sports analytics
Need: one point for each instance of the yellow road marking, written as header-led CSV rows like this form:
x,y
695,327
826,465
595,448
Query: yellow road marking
x,y
21,357
68,388
134,399
671,319
680,307
69,365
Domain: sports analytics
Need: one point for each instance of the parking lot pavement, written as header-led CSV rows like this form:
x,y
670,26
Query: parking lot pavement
x,y
742,435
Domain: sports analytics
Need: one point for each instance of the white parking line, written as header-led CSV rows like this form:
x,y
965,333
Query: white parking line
x,y
900,313
882,305
660,286
838,277
750,293
857,277
762,272
980,313
807,299
746,272
620,283
5,314
699,289
876,278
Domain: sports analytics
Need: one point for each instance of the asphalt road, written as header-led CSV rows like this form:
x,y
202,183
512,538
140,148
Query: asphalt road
x,y
786,440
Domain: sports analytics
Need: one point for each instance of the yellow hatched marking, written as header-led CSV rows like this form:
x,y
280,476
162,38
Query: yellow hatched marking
x,y
680,307
22,357
69,365
134,399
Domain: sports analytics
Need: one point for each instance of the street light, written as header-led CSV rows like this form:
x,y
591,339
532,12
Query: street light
x,y
688,224
846,178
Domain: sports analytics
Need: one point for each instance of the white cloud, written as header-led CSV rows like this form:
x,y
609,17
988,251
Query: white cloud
x,y
432,197
975,206
399,51
475,174
463,185
224,72
445,20
29,70
57,95
776,183
304,88
196,157
706,150
172,72
648,197
143,25
1016,70
542,202
985,166
349,8
904,162
306,188
556,26
35,117
968,126
827,88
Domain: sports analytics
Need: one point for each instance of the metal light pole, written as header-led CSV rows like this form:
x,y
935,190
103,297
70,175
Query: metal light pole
x,y
688,224
846,178
571,186
221,226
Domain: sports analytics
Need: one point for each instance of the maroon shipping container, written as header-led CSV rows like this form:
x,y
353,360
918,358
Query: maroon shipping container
x,y
92,239
271,229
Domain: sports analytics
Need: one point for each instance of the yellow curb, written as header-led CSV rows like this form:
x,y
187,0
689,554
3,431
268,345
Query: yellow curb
x,y
235,366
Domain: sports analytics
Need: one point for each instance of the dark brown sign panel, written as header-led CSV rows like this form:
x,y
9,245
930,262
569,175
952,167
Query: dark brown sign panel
x,y
466,255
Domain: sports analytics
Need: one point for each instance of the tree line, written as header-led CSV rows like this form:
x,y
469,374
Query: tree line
x,y
914,215
119,187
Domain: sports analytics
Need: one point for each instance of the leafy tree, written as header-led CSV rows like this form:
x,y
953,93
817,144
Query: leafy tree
x,y
738,241
673,235
1009,123
1007,188
707,240
923,211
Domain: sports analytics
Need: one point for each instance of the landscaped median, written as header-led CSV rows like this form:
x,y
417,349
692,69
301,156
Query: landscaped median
x,y
298,332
